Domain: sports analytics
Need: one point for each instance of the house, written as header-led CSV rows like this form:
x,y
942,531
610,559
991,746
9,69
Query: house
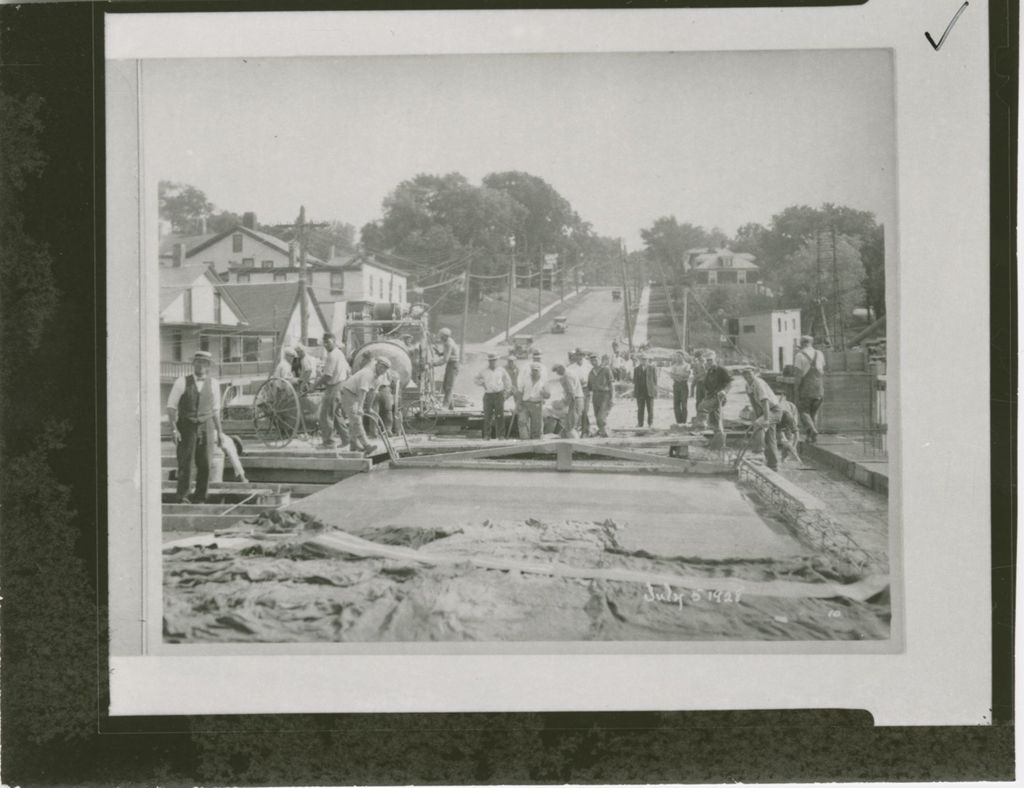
x,y
772,338
720,267
365,277
275,309
237,254
196,313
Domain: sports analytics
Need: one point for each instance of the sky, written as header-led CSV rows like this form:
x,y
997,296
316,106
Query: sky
x,y
712,138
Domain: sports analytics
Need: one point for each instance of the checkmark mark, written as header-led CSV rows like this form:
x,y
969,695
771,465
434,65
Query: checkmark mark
x,y
949,27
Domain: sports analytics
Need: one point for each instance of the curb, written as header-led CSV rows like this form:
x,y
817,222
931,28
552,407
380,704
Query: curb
x,y
860,471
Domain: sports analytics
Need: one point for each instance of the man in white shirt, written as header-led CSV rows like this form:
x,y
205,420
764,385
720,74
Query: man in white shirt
x,y
193,409
581,368
336,369
283,369
304,369
574,386
450,361
765,406
357,394
497,385
533,391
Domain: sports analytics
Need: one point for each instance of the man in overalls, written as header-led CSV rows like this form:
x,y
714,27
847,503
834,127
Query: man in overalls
x,y
810,385
193,409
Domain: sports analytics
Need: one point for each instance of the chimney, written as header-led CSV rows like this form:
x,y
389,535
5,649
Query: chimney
x,y
179,255
292,251
249,220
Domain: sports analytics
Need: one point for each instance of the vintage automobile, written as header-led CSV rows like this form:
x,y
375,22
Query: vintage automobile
x,y
560,325
521,345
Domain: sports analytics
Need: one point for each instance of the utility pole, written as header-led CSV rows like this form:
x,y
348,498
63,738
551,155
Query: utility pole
x,y
817,252
837,317
465,306
301,229
625,295
561,282
686,303
540,283
511,286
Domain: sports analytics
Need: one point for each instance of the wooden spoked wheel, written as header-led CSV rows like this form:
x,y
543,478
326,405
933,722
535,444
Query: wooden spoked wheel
x,y
276,414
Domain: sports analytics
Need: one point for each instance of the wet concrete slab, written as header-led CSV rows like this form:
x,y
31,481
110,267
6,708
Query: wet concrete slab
x,y
708,517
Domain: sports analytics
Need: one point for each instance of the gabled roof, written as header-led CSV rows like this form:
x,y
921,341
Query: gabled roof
x,y
354,262
167,242
176,280
207,241
714,259
269,307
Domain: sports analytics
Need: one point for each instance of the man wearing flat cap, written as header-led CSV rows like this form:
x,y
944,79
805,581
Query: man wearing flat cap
x,y
645,389
357,395
497,386
193,409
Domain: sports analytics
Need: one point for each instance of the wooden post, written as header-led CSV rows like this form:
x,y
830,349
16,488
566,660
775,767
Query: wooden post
x,y
686,303
625,296
511,288
540,283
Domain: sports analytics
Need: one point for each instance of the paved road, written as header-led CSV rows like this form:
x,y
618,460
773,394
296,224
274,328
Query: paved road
x,y
594,320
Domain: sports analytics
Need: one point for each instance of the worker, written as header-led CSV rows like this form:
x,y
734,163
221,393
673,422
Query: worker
x,y
602,391
810,385
699,372
386,404
303,369
335,371
497,386
536,357
717,381
449,359
533,392
645,389
680,372
581,367
765,407
283,369
193,410
357,395
573,383
567,385
514,374
788,429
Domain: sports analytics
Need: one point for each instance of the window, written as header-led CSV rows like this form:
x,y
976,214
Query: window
x,y
204,342
280,276
176,346
217,312
186,301
401,297
749,330
391,288
229,350
337,281
380,287
243,279
248,262
250,349
236,242
267,264
780,324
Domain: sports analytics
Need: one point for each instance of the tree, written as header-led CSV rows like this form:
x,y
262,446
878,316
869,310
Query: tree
x,y
183,206
548,220
667,243
839,285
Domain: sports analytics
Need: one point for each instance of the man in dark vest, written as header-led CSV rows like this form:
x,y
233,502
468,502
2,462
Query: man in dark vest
x,y
645,389
193,409
717,381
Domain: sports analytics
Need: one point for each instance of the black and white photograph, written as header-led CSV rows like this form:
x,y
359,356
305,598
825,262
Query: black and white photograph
x,y
534,348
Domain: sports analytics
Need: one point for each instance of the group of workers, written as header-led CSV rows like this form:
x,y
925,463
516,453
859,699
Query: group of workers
x,y
572,399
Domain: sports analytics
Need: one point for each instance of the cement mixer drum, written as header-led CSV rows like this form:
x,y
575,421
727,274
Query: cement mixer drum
x,y
395,352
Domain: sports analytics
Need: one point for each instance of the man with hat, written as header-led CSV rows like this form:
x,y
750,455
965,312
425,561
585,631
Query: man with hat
x,y
581,395
533,391
602,389
357,393
536,357
645,389
717,381
809,385
193,409
449,359
766,413
303,368
283,369
512,368
497,386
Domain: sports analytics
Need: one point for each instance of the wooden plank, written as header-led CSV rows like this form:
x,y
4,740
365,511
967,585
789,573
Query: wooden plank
x,y
201,522
321,463
636,456
563,456
213,509
699,469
